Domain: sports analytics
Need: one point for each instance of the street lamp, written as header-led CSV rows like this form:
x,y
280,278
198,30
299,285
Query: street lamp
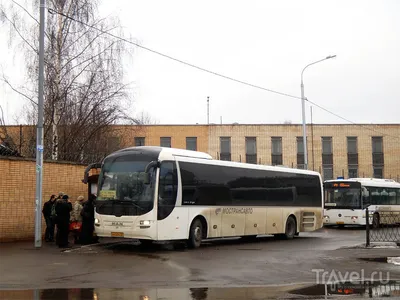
x,y
303,100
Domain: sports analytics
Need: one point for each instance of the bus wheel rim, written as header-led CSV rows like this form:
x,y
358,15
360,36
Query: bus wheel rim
x,y
290,228
197,233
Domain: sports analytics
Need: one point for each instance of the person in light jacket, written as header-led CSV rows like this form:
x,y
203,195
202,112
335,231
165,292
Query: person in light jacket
x,y
76,217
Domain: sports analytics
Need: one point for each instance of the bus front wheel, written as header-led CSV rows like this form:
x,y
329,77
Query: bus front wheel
x,y
195,234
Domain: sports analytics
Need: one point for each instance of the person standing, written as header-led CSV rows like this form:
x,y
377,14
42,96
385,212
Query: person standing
x,y
76,218
63,210
48,209
88,221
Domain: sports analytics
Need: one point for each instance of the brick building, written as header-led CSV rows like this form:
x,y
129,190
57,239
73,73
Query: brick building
x,y
334,150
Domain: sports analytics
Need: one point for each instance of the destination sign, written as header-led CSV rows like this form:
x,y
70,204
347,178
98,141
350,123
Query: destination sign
x,y
345,185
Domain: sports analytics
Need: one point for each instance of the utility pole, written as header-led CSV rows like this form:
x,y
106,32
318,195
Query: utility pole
x,y
312,141
208,110
303,100
39,136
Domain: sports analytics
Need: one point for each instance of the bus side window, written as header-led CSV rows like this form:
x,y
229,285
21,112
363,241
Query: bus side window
x,y
398,196
392,197
375,196
167,189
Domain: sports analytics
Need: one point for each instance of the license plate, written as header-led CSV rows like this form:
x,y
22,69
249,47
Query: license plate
x,y
117,234
339,222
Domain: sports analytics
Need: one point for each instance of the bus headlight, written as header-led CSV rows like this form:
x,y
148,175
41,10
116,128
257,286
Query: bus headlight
x,y
96,222
326,217
145,223
354,218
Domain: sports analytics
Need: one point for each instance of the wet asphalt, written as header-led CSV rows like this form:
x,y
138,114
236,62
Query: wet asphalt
x,y
220,269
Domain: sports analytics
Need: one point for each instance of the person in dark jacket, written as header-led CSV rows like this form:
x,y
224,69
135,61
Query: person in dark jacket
x,y
47,210
63,209
88,221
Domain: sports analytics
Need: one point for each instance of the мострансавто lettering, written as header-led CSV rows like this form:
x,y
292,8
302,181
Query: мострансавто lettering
x,y
233,210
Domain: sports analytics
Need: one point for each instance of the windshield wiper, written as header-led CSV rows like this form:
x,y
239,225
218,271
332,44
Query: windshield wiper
x,y
128,201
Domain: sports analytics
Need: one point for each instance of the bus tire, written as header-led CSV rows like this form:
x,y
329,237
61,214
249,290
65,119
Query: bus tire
x,y
146,243
375,221
195,234
290,228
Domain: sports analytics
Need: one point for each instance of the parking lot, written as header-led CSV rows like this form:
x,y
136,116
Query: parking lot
x,y
226,262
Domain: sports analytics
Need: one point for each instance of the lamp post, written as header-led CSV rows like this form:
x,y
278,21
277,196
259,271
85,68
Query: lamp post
x,y
303,103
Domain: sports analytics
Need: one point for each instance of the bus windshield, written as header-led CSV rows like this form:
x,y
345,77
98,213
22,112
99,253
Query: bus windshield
x,y
342,196
122,181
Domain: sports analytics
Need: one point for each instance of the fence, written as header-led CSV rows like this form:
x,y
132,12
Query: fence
x,y
382,226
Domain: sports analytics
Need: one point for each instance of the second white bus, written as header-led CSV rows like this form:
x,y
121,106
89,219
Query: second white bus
x,y
346,201
154,193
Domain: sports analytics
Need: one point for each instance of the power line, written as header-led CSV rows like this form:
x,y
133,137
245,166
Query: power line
x,y
52,11
351,122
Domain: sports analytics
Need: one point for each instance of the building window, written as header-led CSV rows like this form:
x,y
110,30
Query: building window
x,y
352,156
276,154
352,144
378,172
327,157
353,172
225,148
300,152
328,173
251,150
191,143
377,156
165,142
139,141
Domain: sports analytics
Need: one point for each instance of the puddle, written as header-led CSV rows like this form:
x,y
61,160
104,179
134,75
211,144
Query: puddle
x,y
365,289
391,260
299,291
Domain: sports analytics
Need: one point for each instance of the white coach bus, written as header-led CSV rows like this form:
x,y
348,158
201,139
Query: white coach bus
x,y
153,193
346,201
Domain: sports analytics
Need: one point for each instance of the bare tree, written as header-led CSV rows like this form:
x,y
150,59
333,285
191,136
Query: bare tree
x,y
144,118
84,88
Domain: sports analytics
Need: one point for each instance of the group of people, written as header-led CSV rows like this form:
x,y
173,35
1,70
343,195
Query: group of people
x,y
78,218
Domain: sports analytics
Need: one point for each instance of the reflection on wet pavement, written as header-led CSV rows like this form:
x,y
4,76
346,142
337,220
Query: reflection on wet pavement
x,y
320,291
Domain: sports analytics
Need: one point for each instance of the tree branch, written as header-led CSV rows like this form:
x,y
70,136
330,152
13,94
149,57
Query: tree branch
x,y
19,92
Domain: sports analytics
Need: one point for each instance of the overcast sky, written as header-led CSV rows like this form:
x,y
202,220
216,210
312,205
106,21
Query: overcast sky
x,y
266,43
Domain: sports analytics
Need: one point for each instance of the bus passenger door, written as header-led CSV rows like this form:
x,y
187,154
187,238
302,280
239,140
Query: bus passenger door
x,y
172,220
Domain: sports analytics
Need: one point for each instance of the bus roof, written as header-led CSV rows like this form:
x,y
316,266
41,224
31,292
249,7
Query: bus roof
x,y
375,182
224,163
164,153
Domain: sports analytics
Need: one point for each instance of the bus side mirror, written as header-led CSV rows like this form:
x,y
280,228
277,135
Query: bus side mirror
x,y
146,174
146,178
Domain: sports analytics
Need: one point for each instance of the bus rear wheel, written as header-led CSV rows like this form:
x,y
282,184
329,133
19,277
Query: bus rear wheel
x,y
290,230
195,234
